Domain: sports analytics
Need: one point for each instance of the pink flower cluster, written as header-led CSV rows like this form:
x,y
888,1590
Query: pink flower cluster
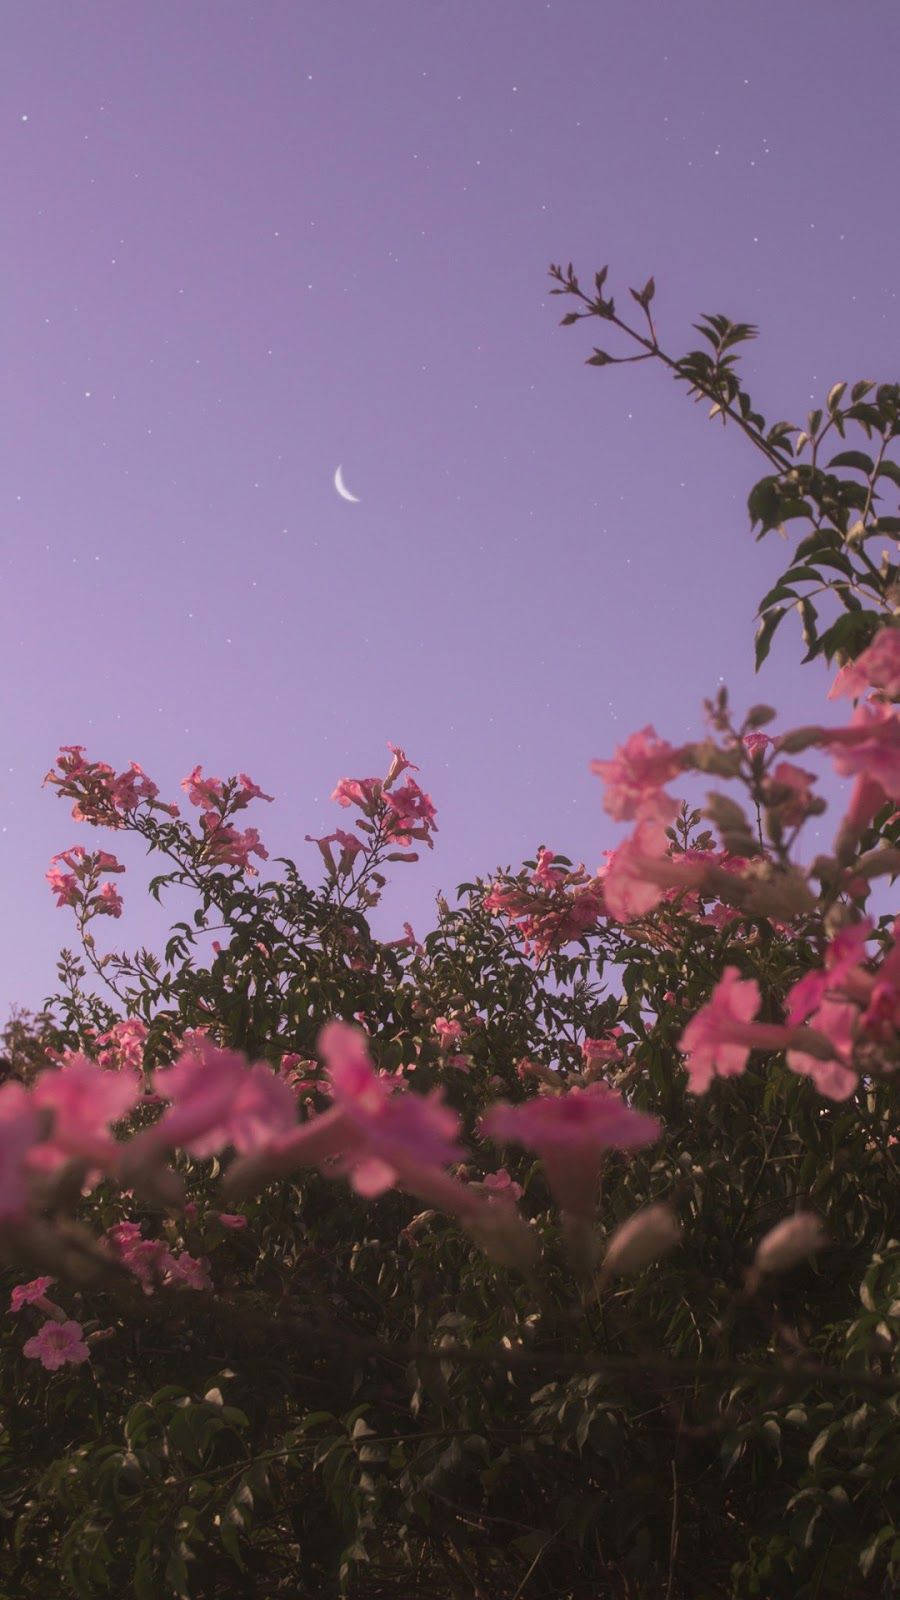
x,y
830,1013
555,907
153,1263
100,795
58,1342
399,814
80,886
218,799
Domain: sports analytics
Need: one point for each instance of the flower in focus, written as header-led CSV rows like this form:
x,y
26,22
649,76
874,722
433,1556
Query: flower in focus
x,y
449,1031
57,1344
205,792
28,1294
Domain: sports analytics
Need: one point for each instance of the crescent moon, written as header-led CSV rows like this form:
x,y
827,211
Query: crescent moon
x,y
342,489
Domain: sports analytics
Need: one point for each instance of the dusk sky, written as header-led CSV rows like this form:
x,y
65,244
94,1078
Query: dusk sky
x,y
247,242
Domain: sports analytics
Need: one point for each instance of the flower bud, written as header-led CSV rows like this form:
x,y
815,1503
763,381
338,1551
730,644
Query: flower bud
x,y
789,1242
640,1240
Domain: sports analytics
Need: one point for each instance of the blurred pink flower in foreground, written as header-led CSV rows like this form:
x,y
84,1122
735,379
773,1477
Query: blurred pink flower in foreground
x,y
878,667
635,776
20,1128
86,1101
716,1040
572,1132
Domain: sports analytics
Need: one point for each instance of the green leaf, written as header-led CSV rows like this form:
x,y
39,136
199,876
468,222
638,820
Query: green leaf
x,y
765,632
889,469
856,459
808,615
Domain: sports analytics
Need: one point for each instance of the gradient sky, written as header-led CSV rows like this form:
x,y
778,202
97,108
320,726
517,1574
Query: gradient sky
x,y
245,242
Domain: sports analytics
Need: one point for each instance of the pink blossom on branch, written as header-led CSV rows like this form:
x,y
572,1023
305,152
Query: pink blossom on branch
x,y
226,847
108,902
30,1294
121,1048
57,1344
410,814
205,792
64,885
717,1041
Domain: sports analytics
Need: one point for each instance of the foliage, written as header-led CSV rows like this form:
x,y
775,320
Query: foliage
x,y
385,1393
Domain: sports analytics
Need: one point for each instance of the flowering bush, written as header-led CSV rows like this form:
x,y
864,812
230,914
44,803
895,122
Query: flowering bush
x,y
306,1334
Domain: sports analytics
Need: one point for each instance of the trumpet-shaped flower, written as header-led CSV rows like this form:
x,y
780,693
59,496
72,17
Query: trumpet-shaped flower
x,y
572,1132
635,777
57,1344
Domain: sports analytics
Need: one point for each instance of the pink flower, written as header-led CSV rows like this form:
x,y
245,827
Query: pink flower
x,y
869,747
246,791
601,1052
396,1135
64,885
449,1031
716,1040
104,862
57,1344
788,789
148,1259
109,901
545,873
410,813
226,847
845,952
231,1220
362,792
877,668
756,744
836,1020
205,792
350,845
641,870
501,1186
185,1272
29,1294
571,1133
398,765
122,1047
635,777
85,1101
218,1099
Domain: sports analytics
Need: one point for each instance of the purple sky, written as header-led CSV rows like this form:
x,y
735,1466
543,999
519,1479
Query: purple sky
x,y
245,243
